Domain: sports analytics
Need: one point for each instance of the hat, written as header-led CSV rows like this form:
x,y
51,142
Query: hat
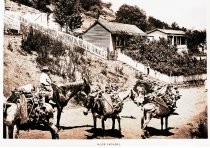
x,y
45,68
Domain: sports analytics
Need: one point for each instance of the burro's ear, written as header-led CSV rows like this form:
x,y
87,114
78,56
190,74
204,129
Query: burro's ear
x,y
85,81
14,90
83,93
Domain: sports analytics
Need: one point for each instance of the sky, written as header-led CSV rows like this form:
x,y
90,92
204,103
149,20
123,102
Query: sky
x,y
191,14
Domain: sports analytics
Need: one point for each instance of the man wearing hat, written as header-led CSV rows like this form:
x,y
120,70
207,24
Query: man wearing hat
x,y
45,82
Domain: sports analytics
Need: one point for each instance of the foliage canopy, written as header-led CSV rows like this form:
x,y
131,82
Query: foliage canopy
x,y
132,15
67,13
164,58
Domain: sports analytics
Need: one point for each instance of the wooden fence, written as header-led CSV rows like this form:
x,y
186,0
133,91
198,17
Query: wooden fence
x,y
155,74
9,23
63,37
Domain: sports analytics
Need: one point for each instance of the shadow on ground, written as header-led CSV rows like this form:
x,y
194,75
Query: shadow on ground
x,y
97,133
44,128
72,127
157,132
29,126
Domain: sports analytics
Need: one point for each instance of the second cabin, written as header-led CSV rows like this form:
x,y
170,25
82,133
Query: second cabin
x,y
110,36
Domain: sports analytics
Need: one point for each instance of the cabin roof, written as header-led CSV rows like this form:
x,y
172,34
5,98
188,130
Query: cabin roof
x,y
167,31
118,28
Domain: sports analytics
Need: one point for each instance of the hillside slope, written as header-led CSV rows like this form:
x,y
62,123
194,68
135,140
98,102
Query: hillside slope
x,y
21,68
18,69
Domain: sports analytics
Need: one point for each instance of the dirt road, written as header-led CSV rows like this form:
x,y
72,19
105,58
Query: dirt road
x,y
77,126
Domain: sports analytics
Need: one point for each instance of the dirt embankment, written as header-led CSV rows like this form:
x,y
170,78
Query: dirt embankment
x,y
21,68
18,68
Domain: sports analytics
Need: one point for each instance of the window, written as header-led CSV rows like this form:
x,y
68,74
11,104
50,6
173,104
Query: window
x,y
178,40
183,41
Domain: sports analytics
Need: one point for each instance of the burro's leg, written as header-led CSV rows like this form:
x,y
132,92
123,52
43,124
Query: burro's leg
x,y
113,123
142,122
11,131
59,116
166,122
49,121
4,131
53,129
103,124
16,131
161,119
119,122
94,120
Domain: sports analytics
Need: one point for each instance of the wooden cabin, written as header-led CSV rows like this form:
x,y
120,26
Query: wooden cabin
x,y
110,36
175,37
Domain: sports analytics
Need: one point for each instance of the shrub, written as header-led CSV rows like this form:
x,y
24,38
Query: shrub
x,y
9,47
104,71
164,58
119,70
79,50
49,51
138,75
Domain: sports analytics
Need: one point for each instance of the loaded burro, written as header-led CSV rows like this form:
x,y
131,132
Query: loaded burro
x,y
30,107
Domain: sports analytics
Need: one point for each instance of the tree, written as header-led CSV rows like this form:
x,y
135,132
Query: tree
x,y
155,23
94,8
67,13
87,4
41,5
132,15
175,26
24,2
37,4
184,29
107,5
194,39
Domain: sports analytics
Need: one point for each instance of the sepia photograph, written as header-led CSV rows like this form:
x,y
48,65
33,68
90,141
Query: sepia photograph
x,y
104,72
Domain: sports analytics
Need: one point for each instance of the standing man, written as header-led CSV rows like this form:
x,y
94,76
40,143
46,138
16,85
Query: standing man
x,y
148,69
206,86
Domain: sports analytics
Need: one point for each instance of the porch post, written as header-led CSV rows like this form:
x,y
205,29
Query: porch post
x,y
172,40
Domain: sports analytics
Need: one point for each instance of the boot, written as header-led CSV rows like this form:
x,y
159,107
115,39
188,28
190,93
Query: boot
x,y
52,102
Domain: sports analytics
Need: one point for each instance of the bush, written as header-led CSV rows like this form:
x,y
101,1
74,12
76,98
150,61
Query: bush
x,y
9,47
104,71
138,76
50,51
79,50
119,70
164,58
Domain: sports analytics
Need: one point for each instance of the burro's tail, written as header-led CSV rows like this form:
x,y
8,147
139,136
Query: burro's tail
x,y
145,113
